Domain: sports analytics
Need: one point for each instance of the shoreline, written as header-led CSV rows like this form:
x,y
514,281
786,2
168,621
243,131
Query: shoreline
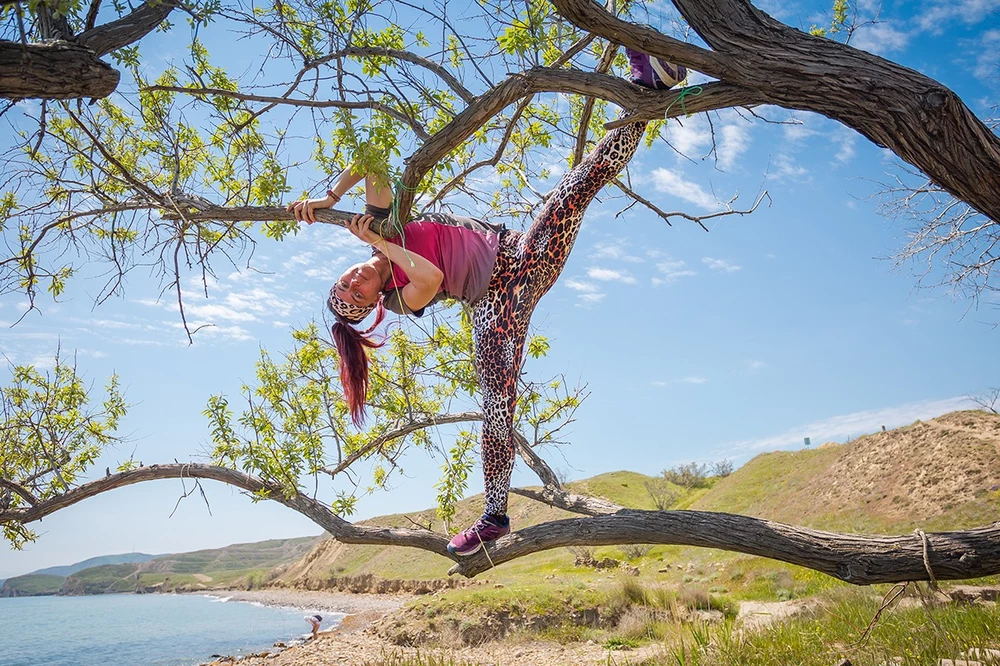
x,y
354,612
340,603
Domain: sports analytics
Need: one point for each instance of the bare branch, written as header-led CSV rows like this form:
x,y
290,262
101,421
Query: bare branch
x,y
588,506
417,128
697,219
402,431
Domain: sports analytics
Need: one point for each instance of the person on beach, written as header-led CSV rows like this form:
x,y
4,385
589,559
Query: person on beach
x,y
501,273
315,621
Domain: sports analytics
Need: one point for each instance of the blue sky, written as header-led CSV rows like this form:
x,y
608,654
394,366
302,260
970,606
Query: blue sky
x,y
695,346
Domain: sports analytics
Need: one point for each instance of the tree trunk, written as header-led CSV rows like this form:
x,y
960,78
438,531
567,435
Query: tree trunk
x,y
59,70
917,118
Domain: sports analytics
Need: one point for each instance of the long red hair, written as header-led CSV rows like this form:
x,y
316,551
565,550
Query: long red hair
x,y
352,347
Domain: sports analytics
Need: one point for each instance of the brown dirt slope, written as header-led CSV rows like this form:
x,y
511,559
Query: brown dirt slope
x,y
939,474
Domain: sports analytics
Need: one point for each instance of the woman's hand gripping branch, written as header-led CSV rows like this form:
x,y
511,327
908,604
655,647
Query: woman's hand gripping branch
x,y
305,210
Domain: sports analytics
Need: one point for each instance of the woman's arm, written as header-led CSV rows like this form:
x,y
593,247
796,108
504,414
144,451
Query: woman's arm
x,y
377,193
425,277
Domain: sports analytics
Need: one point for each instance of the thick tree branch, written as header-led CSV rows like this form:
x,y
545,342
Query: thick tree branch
x,y
917,118
645,104
311,508
858,559
56,70
109,37
854,558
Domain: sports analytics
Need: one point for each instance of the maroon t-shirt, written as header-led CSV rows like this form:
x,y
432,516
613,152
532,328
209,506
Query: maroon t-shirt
x,y
463,248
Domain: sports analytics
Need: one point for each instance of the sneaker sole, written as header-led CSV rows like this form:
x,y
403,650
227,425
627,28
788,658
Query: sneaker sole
x,y
454,551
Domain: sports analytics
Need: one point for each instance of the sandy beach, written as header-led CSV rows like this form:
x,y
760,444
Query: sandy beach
x,y
322,602
351,644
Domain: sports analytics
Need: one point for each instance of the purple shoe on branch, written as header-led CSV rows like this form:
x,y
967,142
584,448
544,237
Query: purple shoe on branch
x,y
486,529
653,72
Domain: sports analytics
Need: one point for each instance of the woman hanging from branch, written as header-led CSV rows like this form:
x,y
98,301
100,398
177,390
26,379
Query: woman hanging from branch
x,y
501,273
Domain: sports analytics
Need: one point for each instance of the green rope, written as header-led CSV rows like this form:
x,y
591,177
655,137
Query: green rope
x,y
692,90
394,220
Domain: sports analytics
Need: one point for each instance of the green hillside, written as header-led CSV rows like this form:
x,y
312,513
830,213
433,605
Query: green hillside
x,y
124,558
105,579
31,585
239,565
237,557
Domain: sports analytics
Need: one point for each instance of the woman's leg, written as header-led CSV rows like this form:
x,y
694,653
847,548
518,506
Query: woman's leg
x,y
499,327
546,245
527,266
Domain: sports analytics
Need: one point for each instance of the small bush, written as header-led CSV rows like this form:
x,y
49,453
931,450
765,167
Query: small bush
x,y
723,468
663,493
690,476
634,551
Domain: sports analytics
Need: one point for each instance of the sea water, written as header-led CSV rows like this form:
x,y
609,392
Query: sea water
x,y
140,629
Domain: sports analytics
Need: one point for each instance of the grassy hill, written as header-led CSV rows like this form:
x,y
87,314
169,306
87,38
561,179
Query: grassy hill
x,y
124,558
238,565
940,474
104,579
31,585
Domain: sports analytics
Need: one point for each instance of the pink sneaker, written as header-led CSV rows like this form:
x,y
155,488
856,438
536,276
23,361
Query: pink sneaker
x,y
470,540
654,72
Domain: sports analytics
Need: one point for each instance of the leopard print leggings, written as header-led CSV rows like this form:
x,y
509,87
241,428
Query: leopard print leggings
x,y
528,264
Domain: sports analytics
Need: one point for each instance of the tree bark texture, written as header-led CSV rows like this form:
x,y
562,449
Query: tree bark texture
x,y
73,69
917,118
59,70
854,558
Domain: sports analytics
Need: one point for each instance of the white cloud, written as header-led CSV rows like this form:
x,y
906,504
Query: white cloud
x,y
735,142
845,140
756,365
691,138
943,12
215,311
210,330
988,61
839,428
720,265
326,272
300,259
797,130
671,182
880,38
783,166
672,271
578,285
608,275
613,251
588,292
694,379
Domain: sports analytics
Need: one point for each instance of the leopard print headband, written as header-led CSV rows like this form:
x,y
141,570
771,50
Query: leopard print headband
x,y
349,311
